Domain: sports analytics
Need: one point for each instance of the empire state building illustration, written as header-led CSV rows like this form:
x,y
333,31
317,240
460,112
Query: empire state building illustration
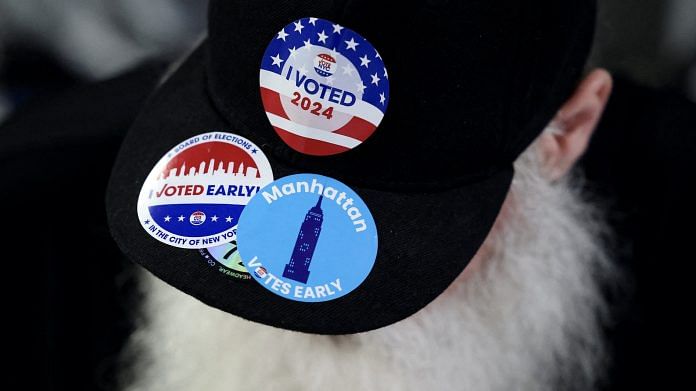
x,y
298,267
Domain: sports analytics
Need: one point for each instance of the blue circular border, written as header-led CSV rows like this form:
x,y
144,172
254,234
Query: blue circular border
x,y
278,223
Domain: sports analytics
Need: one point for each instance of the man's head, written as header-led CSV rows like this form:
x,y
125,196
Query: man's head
x,y
470,86
525,314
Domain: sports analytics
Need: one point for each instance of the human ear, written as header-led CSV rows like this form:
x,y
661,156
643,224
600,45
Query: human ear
x,y
568,134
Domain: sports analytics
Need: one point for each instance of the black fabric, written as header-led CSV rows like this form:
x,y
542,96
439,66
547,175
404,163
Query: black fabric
x,y
483,81
65,318
416,260
642,160
472,82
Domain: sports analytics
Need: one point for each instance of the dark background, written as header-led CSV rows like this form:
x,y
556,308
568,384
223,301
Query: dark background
x,y
73,74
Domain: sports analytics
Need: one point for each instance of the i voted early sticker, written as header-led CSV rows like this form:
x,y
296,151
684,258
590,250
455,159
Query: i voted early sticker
x,y
307,238
324,87
194,195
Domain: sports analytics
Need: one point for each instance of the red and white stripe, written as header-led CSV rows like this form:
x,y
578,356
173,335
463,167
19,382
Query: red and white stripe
x,y
364,121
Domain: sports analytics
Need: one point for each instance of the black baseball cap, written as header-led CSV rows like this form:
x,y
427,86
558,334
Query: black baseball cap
x,y
472,84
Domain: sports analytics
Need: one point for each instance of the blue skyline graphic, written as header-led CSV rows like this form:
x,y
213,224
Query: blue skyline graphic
x,y
297,269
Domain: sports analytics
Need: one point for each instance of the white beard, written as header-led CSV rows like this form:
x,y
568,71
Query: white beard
x,y
529,318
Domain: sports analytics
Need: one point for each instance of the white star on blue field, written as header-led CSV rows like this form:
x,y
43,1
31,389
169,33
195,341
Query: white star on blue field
x,y
374,79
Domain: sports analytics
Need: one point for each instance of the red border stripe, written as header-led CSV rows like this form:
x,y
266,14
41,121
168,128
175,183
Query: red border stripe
x,y
308,145
271,102
357,128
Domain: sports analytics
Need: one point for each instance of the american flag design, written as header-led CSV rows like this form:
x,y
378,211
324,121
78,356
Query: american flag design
x,y
324,87
194,195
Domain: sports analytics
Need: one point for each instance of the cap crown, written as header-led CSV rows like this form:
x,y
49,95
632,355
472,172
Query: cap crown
x,y
472,83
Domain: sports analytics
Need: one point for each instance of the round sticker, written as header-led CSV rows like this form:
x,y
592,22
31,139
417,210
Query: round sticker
x,y
325,89
227,260
194,195
307,238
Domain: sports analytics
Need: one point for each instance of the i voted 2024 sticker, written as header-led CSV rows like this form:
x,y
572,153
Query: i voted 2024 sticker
x,y
194,195
324,87
307,238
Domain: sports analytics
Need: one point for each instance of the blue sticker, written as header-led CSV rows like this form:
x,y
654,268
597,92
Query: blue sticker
x,y
307,238
324,87
194,195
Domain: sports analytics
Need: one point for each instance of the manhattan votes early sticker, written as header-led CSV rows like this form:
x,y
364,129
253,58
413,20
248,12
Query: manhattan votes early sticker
x,y
194,195
307,238
324,87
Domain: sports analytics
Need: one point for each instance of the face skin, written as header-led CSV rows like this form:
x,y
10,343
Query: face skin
x,y
525,315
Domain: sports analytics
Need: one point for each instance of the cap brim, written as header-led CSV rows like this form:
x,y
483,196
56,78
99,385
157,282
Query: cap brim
x,y
425,238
